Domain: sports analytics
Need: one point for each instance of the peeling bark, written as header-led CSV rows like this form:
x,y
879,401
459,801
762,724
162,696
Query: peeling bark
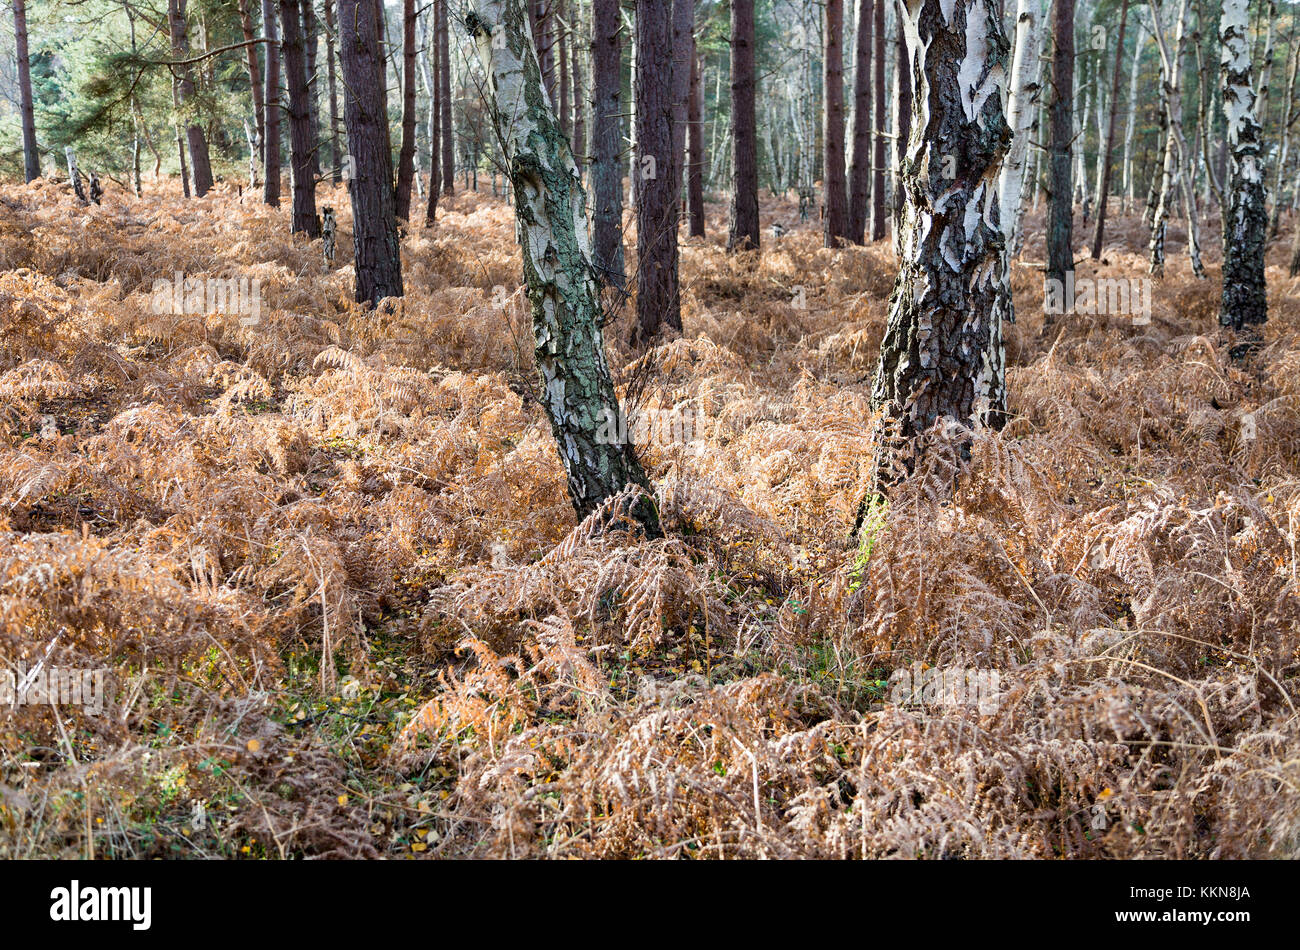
x,y
942,355
1022,105
1245,300
577,391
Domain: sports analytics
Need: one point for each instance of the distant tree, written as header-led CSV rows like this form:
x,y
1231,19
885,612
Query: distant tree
x,y
860,155
742,232
448,162
301,141
577,391
365,112
1060,211
271,139
254,80
31,158
835,212
1108,144
878,205
406,156
200,163
695,145
658,193
606,141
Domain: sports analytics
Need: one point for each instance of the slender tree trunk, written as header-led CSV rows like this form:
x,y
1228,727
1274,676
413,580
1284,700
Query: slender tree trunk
x,y
406,156
607,142
1103,162
448,138
311,40
254,74
658,303
1130,123
1293,65
434,55
942,355
365,111
695,130
1060,211
683,46
1022,106
902,106
300,137
1245,298
271,139
860,137
835,210
1177,172
560,41
198,144
31,158
551,224
331,37
743,230
879,209
579,103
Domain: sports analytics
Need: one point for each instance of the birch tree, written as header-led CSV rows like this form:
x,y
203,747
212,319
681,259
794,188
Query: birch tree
x,y
1245,301
942,355
577,391
1022,103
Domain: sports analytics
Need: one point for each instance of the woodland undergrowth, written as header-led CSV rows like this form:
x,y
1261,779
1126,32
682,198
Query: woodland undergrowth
x,y
347,610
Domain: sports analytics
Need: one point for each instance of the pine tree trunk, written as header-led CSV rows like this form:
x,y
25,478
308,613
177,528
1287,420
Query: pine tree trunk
x,y
878,205
254,74
433,55
658,303
902,106
695,145
860,137
365,112
310,40
271,140
551,225
1060,211
1245,300
942,355
406,156
31,158
198,144
448,139
607,142
331,37
835,212
300,137
683,50
1103,161
742,232
1022,105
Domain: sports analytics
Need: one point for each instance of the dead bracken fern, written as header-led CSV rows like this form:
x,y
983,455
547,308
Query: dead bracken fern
x,y
327,558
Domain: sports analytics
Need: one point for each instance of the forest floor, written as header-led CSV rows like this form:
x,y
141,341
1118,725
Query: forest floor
x,y
327,560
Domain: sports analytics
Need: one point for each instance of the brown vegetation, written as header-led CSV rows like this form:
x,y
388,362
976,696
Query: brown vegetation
x,y
330,562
